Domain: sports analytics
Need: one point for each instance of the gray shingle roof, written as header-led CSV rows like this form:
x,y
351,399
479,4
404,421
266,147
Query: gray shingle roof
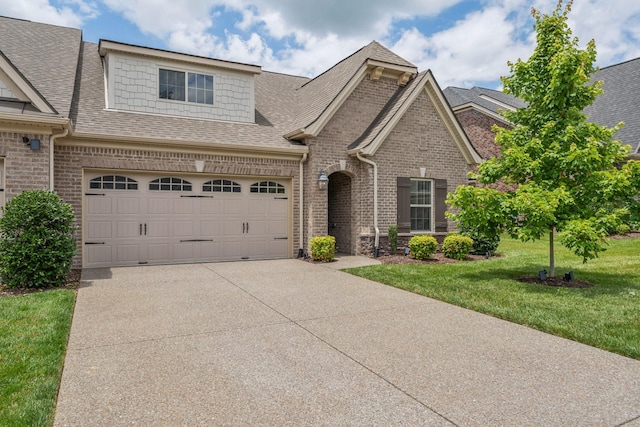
x,y
46,55
315,96
274,108
620,101
457,97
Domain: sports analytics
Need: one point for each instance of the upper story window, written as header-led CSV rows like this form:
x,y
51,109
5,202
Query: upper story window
x,y
181,86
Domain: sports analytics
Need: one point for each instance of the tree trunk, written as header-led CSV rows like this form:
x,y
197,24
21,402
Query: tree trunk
x,y
552,261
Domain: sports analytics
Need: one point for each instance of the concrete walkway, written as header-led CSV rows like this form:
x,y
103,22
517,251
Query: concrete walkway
x,y
292,343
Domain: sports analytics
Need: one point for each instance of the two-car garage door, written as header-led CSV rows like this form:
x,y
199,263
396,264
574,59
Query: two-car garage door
x,y
136,218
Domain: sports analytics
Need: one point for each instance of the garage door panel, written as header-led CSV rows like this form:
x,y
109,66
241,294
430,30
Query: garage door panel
x,y
126,206
183,228
221,220
210,250
184,251
99,255
159,206
127,254
127,229
158,229
233,207
159,252
100,230
211,206
210,228
97,205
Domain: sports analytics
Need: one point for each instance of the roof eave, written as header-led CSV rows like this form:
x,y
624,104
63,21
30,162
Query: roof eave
x,y
106,46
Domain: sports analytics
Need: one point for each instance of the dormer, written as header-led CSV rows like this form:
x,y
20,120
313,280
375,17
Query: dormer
x,y
153,81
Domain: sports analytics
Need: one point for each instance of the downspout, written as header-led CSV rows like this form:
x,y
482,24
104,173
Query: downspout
x,y
301,207
52,141
375,201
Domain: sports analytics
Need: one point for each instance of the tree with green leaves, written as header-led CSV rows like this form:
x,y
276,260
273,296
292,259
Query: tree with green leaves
x,y
568,177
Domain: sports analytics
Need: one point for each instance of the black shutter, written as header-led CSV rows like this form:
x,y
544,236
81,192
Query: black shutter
x,y
404,205
440,205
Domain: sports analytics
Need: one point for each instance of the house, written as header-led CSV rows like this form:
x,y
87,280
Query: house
x,y
478,109
168,157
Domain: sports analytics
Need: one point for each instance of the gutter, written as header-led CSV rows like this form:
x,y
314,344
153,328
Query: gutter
x,y
52,141
301,207
375,201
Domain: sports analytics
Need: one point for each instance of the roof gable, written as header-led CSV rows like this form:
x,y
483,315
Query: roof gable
x,y
398,105
319,98
46,56
21,89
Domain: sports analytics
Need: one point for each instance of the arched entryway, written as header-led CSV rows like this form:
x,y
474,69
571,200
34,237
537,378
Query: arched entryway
x,y
339,212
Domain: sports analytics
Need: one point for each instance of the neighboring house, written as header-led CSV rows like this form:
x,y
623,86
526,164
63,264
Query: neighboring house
x,y
478,109
175,158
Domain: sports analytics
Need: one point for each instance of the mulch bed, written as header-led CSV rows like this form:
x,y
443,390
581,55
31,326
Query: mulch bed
x,y
73,282
556,281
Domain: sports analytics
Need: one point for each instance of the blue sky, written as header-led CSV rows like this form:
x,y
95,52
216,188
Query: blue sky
x,y
464,42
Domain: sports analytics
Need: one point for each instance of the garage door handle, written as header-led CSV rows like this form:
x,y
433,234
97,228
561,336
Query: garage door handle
x,y
145,229
141,229
94,243
280,238
243,227
196,240
247,227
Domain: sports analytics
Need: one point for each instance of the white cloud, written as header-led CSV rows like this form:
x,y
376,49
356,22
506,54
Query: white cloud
x,y
306,37
70,13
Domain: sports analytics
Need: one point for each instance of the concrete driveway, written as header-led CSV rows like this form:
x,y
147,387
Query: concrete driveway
x,y
291,343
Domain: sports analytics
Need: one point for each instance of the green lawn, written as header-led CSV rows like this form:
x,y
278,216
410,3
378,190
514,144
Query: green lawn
x,y
606,315
33,337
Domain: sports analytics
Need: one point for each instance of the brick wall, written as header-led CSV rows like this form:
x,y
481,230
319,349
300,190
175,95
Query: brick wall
x,y
420,140
24,169
71,160
326,151
478,128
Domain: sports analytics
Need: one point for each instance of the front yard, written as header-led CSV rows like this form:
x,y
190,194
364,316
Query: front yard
x,y
606,315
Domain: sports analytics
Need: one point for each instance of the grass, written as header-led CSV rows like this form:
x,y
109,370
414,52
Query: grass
x,y
34,329
606,315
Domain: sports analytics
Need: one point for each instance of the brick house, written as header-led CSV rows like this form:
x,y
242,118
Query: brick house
x,y
478,109
173,158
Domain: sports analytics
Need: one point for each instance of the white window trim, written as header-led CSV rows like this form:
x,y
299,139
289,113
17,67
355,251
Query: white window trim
x,y
431,206
186,85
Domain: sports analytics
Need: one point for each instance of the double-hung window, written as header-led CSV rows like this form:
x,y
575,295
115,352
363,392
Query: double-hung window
x,y
421,204
183,86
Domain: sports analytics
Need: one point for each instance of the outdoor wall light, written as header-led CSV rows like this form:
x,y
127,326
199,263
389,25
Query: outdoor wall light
x,y
33,143
323,180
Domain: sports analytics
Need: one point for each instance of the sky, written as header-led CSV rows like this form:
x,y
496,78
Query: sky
x,y
465,43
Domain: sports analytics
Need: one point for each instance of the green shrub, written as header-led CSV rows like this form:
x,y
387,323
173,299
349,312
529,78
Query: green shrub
x,y
36,240
457,246
393,238
482,243
323,248
623,229
422,246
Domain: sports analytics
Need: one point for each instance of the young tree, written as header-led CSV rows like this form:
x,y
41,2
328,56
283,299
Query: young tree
x,y
565,172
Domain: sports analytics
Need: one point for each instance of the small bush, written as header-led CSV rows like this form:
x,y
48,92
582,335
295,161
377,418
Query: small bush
x,y
457,246
622,229
482,243
393,238
423,247
323,248
36,240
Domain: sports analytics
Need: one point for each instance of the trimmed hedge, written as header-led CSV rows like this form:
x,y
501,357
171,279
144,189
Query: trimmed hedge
x,y
36,240
422,246
323,248
457,246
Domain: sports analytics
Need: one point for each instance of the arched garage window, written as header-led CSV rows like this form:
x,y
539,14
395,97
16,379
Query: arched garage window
x,y
269,187
170,184
113,182
222,186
